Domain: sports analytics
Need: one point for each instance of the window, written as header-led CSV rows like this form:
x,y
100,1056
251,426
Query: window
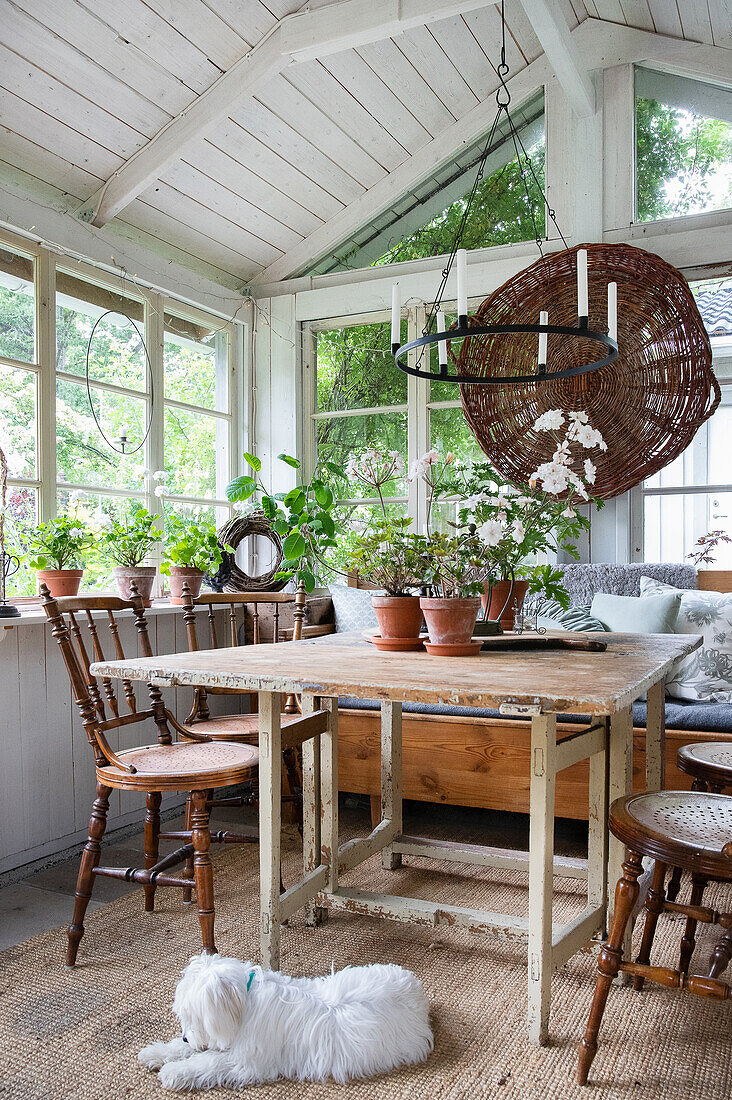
x,y
693,495
684,145
192,432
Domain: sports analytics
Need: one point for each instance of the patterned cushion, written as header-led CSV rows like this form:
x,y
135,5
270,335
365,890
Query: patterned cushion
x,y
352,606
554,617
706,674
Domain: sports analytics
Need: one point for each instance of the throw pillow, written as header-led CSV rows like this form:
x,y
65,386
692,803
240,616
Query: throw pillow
x,y
638,614
352,606
554,617
706,674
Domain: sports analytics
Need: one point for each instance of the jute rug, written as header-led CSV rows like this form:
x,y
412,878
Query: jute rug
x,y
76,1033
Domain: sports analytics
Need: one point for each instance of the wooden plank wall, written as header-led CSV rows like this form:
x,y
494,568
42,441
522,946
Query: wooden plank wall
x,y
47,782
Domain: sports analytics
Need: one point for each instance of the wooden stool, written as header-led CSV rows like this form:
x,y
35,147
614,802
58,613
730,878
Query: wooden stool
x,y
710,762
691,830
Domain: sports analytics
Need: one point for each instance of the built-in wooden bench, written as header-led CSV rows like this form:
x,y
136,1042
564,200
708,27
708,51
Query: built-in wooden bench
x,y
484,762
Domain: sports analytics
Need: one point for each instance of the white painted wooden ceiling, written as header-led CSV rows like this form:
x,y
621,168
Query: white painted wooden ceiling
x,y
84,84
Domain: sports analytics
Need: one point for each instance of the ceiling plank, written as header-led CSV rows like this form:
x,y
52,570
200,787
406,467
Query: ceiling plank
x,y
299,37
550,27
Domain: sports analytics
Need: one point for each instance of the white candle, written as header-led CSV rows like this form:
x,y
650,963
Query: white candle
x,y
543,320
462,282
396,316
442,345
582,295
612,310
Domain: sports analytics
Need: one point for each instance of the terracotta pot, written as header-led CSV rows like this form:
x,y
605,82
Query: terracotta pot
x,y
450,621
143,577
184,574
398,616
61,582
499,595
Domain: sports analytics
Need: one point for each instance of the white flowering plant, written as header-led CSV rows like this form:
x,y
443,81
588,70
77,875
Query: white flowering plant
x,y
61,543
128,542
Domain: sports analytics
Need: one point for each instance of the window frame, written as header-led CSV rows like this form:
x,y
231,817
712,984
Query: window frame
x,y
155,305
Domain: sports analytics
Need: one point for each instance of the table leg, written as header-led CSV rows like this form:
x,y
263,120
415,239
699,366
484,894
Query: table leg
x,y
391,777
541,873
329,792
314,914
597,839
656,738
620,783
270,813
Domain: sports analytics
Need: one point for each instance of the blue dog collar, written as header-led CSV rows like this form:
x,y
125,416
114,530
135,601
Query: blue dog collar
x,y
251,979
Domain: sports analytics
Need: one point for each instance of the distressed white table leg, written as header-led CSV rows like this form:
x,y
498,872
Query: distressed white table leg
x,y
391,776
270,813
314,914
329,792
656,738
541,874
597,839
620,783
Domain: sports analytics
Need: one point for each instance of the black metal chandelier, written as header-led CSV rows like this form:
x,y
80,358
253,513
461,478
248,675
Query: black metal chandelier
x,y
434,332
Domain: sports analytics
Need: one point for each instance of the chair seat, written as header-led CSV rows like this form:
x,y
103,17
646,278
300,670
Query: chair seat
x,y
708,760
182,766
243,728
688,829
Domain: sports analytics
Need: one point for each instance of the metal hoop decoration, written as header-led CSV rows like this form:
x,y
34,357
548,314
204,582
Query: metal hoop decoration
x,y
141,444
463,330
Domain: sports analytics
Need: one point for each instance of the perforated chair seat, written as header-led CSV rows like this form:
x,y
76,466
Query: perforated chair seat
x,y
184,765
684,828
710,761
241,728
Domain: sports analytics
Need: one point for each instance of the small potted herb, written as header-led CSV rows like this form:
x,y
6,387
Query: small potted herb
x,y
128,543
57,551
190,550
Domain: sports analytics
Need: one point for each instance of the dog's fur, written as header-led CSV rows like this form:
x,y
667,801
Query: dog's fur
x,y
236,1031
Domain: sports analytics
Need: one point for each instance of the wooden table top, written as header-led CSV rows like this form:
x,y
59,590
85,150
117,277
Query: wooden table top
x,y
566,681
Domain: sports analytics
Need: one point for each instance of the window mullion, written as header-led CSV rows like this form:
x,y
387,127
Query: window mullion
x,y
45,288
154,447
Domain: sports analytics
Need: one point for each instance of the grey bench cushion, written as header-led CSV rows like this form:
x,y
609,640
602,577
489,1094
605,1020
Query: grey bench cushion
x,y
704,717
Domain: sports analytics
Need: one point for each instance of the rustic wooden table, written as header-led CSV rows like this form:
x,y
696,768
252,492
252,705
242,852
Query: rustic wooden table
x,y
535,685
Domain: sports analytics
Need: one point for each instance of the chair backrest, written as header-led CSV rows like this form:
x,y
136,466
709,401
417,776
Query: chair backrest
x,y
76,625
355,580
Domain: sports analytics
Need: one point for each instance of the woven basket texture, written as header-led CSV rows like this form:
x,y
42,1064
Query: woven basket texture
x,y
649,403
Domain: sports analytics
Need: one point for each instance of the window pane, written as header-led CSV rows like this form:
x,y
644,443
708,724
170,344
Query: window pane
x,y
196,363
350,520
449,431
684,146
355,368
117,351
22,510
82,455
17,307
343,436
672,524
443,391
214,513
195,446
18,420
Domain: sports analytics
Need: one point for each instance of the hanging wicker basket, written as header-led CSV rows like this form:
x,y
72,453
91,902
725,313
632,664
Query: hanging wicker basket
x,y
648,404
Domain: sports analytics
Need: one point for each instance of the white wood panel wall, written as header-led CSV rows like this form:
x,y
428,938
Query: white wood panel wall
x,y
48,782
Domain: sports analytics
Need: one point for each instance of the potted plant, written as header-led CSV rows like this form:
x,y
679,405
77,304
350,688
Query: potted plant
x,y
57,550
455,568
128,543
387,553
190,550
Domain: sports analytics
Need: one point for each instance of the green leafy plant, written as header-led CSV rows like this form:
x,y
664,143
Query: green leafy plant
x,y
302,517
456,565
127,543
192,544
62,543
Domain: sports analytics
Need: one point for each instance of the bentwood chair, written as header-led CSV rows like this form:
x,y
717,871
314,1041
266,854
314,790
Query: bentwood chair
x,y
195,764
691,830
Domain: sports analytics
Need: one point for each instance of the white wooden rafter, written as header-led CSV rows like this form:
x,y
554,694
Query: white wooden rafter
x,y
552,30
299,37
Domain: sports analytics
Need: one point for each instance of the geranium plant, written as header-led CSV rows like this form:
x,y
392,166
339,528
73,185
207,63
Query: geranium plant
x,y
192,543
61,543
128,543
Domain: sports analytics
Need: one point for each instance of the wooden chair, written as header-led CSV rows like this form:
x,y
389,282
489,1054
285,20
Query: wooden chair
x,y
691,830
194,764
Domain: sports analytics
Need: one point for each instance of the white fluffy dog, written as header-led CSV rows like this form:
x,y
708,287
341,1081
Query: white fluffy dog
x,y
242,1025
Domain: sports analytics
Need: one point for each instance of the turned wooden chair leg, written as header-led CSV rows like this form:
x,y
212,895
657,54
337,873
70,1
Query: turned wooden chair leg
x,y
85,878
188,865
610,958
203,868
721,955
654,908
152,843
674,884
688,941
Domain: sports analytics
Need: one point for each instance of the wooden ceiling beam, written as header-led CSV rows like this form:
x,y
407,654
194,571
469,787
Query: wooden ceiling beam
x,y
551,28
302,36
